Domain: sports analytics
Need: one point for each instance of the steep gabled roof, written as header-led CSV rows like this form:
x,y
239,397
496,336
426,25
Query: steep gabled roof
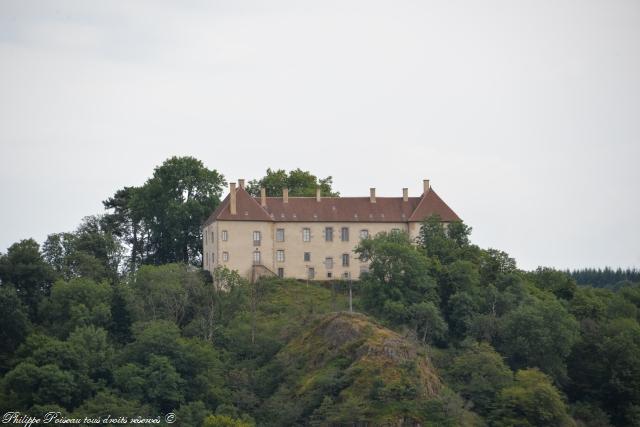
x,y
431,204
247,209
334,209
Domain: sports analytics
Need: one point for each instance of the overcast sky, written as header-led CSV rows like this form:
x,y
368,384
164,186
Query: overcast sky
x,y
525,115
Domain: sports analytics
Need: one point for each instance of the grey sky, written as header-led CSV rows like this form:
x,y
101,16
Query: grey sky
x,y
524,114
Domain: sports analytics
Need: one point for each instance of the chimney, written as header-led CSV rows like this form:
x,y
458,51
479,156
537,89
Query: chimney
x,y
318,194
263,197
285,195
405,194
241,183
372,195
426,185
232,195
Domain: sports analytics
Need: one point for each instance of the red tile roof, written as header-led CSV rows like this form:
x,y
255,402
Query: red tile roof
x,y
334,209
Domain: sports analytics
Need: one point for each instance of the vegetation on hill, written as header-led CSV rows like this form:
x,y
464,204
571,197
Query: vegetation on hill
x,y
97,321
605,277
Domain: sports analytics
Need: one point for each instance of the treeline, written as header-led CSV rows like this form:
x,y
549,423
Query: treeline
x,y
605,277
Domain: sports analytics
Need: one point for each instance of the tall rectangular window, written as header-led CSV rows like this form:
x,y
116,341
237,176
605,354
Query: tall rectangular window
x,y
280,255
225,256
256,238
256,257
345,260
225,235
306,234
212,237
344,234
364,234
328,262
281,272
307,256
280,235
312,273
328,234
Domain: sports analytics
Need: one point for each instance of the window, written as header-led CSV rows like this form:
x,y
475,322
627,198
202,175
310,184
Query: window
x,y
311,273
225,256
364,234
256,257
329,274
306,234
395,230
225,235
344,234
281,272
211,257
280,235
212,237
256,238
207,259
307,256
328,234
328,262
345,275
345,260
280,255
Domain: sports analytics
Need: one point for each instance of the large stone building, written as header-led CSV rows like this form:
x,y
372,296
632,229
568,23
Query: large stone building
x,y
308,237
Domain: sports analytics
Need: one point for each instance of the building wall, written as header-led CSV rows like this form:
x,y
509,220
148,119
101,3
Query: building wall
x,y
240,246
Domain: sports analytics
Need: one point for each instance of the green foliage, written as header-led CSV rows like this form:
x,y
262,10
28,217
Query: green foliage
x,y
539,333
91,251
225,421
479,374
79,302
161,220
605,277
24,267
399,276
548,279
14,324
299,183
86,331
532,400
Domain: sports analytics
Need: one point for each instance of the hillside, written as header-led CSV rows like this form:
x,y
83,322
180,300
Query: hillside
x,y
348,368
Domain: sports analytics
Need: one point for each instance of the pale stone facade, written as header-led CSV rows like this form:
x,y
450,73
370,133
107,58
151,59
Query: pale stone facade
x,y
241,237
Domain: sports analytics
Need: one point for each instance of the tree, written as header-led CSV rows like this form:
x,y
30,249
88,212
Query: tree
x,y
446,243
399,274
533,401
24,267
539,334
78,302
215,302
165,292
427,321
91,251
479,374
299,183
166,213
558,282
14,324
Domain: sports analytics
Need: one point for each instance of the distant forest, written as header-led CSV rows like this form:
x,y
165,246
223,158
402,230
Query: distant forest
x,y
606,277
